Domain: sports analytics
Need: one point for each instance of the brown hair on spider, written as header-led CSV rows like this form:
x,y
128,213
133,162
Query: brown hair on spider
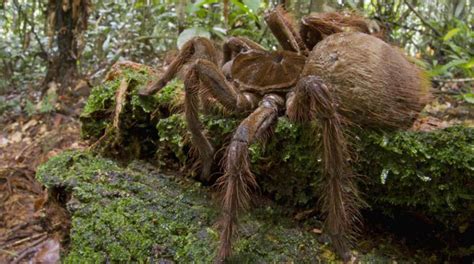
x,y
317,26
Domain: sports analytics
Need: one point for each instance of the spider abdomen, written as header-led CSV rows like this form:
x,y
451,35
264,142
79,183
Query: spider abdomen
x,y
374,83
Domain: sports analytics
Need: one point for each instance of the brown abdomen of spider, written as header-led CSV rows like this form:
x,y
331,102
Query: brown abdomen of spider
x,y
374,83
263,72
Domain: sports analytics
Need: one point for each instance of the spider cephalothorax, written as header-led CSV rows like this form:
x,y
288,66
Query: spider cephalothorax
x,y
331,70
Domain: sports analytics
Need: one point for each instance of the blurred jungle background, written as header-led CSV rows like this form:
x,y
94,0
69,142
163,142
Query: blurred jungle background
x,y
52,52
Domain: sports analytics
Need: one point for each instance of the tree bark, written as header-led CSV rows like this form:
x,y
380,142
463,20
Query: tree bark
x,y
68,21
180,6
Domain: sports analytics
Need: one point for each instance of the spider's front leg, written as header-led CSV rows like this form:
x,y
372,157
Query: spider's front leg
x,y
282,27
312,99
204,77
237,181
235,45
196,48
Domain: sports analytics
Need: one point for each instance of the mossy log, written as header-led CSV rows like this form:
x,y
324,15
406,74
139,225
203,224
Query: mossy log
x,y
427,173
137,214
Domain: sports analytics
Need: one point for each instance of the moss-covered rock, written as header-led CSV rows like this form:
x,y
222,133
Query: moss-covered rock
x,y
428,173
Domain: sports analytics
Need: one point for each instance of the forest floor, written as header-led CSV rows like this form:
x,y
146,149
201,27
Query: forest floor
x,y
32,225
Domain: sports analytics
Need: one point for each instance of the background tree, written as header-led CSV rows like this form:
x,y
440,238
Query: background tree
x,y
66,21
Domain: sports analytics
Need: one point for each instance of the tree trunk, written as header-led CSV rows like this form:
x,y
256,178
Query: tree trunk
x,y
180,6
316,5
67,20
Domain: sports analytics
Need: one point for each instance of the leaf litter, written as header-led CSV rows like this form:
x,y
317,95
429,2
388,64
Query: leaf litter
x,y
33,222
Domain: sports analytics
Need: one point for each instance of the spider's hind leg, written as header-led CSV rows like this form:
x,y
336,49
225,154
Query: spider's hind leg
x,y
340,201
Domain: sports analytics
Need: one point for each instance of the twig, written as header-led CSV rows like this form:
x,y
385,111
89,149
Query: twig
x,y
8,252
454,80
407,27
32,248
21,241
263,34
16,228
450,92
32,25
423,20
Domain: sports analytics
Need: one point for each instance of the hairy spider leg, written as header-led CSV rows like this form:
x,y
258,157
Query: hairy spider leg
x,y
282,26
236,45
315,27
340,201
238,180
196,48
205,78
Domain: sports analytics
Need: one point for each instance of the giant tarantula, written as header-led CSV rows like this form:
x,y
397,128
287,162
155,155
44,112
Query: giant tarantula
x,y
331,70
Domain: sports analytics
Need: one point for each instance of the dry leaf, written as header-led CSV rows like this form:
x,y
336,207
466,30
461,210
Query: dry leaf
x,y
3,141
16,137
48,253
31,123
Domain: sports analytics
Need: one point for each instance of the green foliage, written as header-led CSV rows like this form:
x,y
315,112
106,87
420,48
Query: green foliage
x,y
437,32
172,134
244,18
190,33
468,97
8,104
46,105
21,44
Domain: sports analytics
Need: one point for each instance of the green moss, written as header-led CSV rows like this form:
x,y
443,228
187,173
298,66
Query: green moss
x,y
424,172
135,214
98,111
172,138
